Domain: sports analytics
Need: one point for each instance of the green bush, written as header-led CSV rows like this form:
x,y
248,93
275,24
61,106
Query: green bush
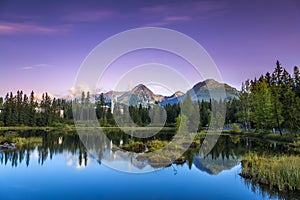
x,y
236,128
136,147
156,144
11,136
2,139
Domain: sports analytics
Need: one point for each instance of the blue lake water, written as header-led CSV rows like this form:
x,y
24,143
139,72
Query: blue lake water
x,y
62,172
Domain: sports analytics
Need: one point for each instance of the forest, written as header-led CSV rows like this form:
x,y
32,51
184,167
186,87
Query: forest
x,y
269,103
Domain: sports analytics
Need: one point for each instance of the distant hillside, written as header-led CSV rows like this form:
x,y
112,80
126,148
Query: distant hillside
x,y
141,94
171,99
202,90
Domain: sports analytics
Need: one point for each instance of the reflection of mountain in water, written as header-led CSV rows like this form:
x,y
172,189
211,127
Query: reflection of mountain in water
x,y
215,166
113,155
226,153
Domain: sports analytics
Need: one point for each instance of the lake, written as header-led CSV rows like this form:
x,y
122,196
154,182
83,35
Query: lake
x,y
61,168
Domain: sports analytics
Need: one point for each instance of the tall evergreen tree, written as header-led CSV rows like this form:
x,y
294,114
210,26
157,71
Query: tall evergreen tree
x,y
296,84
276,89
31,110
262,114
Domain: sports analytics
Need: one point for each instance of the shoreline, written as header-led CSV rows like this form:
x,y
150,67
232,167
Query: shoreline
x,y
290,139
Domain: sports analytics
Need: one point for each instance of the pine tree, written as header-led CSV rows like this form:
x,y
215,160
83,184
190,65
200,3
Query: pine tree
x,y
31,110
1,111
296,84
25,113
276,89
191,112
244,112
262,114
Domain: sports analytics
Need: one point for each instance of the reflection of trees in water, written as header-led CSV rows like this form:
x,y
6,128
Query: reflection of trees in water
x,y
57,143
52,143
226,148
116,135
267,193
228,152
236,146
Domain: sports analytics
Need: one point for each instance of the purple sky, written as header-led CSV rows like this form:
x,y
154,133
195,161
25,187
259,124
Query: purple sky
x,y
42,43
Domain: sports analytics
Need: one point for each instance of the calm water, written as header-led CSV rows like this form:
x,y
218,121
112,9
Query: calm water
x,y
60,168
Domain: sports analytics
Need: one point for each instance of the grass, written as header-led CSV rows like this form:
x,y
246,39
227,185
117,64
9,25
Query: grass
x,y
13,137
155,145
43,128
136,147
24,141
281,172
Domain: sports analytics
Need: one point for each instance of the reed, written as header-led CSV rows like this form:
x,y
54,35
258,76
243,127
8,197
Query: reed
x,y
281,171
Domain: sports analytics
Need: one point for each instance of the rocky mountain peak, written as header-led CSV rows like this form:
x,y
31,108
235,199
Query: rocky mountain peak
x,y
141,94
142,89
178,94
212,84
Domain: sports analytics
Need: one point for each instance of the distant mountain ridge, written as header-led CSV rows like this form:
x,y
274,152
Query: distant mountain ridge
x,y
205,89
141,94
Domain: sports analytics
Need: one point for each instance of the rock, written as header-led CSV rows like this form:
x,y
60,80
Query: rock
x,y
6,146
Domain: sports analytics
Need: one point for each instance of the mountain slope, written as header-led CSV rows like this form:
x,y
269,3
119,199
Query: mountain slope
x,y
212,89
171,99
205,90
141,94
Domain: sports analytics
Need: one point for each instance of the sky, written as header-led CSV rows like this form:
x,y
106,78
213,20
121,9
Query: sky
x,y
43,44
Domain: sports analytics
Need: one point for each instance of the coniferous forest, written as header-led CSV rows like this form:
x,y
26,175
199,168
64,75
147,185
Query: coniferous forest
x,y
269,103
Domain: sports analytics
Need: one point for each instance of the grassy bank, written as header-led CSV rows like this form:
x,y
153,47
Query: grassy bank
x,y
281,172
43,128
291,139
16,139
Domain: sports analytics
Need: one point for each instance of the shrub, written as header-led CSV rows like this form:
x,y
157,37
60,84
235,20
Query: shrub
x,y
156,145
2,139
11,136
236,128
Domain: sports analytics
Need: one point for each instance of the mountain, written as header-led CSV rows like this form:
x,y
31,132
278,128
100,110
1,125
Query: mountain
x,y
171,99
112,94
176,95
202,90
140,94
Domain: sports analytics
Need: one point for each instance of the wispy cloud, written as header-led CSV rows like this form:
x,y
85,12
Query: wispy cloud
x,y
36,66
169,20
90,15
39,96
7,28
166,14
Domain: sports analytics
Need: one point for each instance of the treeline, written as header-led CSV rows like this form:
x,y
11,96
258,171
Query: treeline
x,y
24,110
269,103
196,115
126,115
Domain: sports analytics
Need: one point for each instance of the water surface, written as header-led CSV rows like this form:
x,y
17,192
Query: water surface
x,y
61,168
